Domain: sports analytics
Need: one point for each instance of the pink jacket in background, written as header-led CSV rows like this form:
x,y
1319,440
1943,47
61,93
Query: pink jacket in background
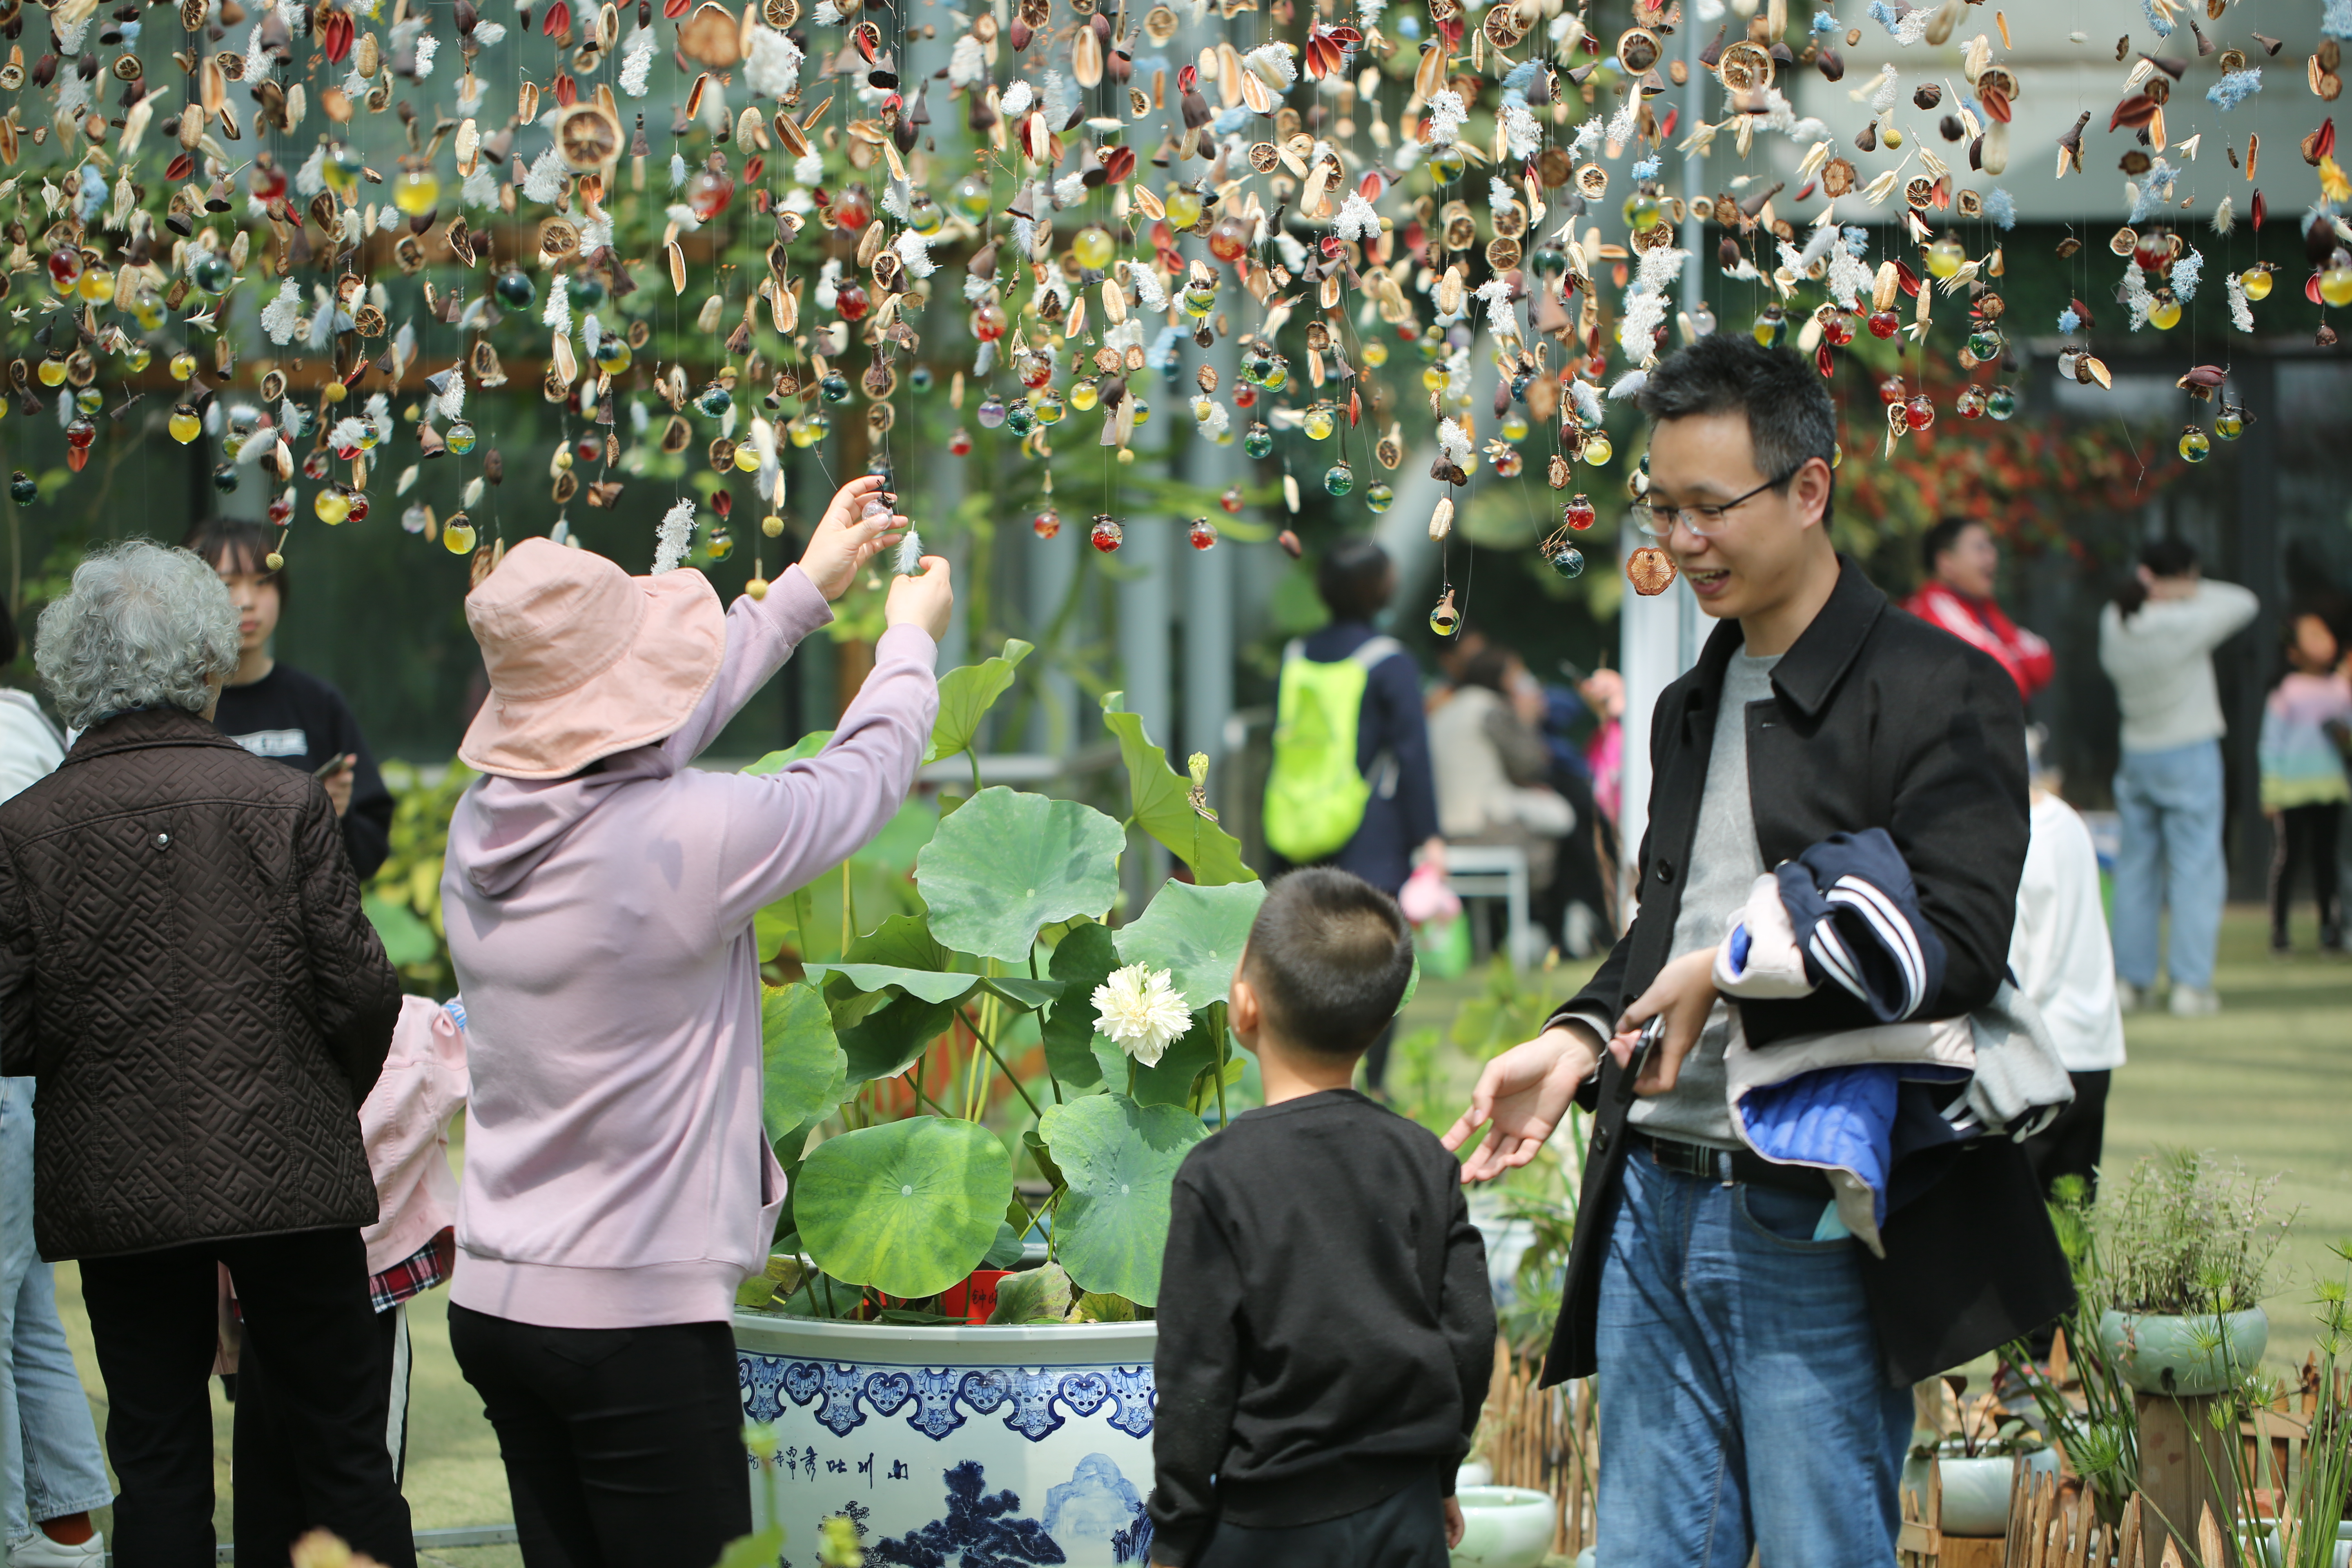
x,y
406,1125
616,1172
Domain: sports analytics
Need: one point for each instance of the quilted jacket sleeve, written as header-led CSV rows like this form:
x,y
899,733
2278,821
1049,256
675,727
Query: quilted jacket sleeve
x,y
16,975
355,995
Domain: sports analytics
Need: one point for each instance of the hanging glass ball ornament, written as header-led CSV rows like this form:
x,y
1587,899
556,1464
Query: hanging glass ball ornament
x,y
1277,375
614,355
924,214
1033,369
1084,393
1642,207
224,477
22,490
2231,421
415,191
1183,206
182,365
1200,299
1232,500
1228,237
457,535
1837,327
1920,412
65,269
971,197
2153,251
1550,261
1320,422
988,322
1047,523
1509,462
1946,255
212,273
330,506
280,510
1259,441
89,400
1380,496
1142,410
2001,401
1245,395
184,424
1578,512
809,428
1048,407
459,437
1019,417
2336,281
515,288
1883,324
586,290
1891,389
1986,344
2194,445
341,168
719,542
1971,403
850,301
1106,535
2164,310
990,412
1513,428
1446,164
1093,248
2256,282
1598,449
97,284
1376,352
1203,534
713,401
834,388
747,458
853,209
1338,479
1772,328
1566,559
1443,618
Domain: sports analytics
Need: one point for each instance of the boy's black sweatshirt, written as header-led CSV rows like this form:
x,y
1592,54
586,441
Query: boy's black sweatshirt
x,y
1326,1332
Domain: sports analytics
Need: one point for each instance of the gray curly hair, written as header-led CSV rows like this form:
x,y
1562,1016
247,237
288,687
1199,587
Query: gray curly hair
x,y
143,626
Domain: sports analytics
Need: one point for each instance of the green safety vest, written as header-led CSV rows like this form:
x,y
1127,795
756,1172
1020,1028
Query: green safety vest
x,y
1314,795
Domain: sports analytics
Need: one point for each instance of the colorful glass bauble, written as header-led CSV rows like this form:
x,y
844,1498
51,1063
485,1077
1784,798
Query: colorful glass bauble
x,y
1837,327
280,510
458,536
1598,448
330,506
2231,423
79,434
2164,310
853,209
971,197
1142,410
1446,164
1338,479
1183,206
459,437
1084,393
1444,619
1277,375
1093,248
341,168
713,401
1047,523
809,428
1106,535
89,400
990,412
1199,299
1578,512
719,542
1919,412
2336,281
1566,559
1245,395
1548,261
22,490
96,284
1772,328
925,216
1019,417
184,425
2153,251
920,378
1892,390
416,192
1986,344
1376,353
585,291
1318,422
2195,445
987,322
1203,534
515,290
148,311
1641,209
1259,441
212,273
834,387
2256,282
1514,427
850,301
1971,403
1231,499
182,366
1509,462
316,464
224,477
1883,324
747,458
1228,237
2001,401
1433,378
1048,407
1946,255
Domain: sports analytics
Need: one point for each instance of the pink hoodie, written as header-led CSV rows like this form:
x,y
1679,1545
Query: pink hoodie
x,y
616,1174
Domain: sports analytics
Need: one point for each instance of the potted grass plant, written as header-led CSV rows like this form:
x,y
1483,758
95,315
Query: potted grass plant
x,y
2184,1246
947,1365
1978,1454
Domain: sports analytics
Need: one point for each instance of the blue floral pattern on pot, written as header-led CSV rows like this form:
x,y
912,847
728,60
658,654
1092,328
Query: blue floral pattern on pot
x,y
768,1381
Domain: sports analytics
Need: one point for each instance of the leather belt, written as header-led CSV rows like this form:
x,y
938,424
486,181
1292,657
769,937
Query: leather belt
x,y
1703,1162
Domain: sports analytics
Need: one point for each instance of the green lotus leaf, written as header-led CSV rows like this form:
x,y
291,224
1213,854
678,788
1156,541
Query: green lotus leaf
x,y
800,751
930,984
1160,800
1024,996
883,1042
1120,1159
967,693
1040,1295
1009,863
1168,1081
805,1073
1083,961
1197,933
909,1207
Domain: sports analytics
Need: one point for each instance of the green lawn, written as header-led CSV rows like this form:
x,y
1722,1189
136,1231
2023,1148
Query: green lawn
x,y
2264,1082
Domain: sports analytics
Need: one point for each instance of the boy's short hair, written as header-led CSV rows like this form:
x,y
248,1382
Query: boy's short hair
x,y
1330,956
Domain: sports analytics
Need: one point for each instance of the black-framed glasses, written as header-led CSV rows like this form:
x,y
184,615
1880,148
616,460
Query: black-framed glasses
x,y
1703,521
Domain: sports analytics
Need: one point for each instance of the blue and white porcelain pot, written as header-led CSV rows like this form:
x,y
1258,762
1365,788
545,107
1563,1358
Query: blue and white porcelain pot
x,y
987,1443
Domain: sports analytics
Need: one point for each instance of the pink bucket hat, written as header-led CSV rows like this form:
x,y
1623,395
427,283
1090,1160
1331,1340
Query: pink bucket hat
x,y
585,661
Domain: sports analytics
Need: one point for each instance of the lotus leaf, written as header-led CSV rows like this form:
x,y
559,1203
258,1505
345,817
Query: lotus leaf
x,y
805,1071
1161,803
909,1207
1009,863
967,693
1084,960
1120,1161
1197,933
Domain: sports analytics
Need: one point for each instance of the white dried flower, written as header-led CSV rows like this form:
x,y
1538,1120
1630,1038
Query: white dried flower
x,y
1446,115
773,68
636,62
1139,1010
283,314
1357,220
545,181
677,532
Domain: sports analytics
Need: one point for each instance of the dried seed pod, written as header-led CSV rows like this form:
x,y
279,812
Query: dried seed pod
x,y
1651,570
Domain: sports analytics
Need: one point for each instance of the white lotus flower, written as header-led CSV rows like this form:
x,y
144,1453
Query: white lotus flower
x,y
1139,1010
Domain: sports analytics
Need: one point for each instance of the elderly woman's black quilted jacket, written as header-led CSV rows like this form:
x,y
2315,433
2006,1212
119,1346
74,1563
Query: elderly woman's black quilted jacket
x,y
185,966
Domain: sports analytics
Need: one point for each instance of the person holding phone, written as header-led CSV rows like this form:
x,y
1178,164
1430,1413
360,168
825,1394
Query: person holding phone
x,y
285,714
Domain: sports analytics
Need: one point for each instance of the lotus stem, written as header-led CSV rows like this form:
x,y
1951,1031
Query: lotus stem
x,y
1010,1077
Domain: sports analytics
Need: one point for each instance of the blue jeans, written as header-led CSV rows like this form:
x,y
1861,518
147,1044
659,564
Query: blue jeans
x,y
50,1464
2170,804
1742,1400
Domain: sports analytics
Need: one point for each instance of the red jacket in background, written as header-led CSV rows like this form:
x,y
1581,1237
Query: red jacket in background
x,y
1981,623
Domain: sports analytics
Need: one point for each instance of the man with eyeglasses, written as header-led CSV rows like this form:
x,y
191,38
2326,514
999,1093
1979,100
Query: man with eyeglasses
x,y
1758,1359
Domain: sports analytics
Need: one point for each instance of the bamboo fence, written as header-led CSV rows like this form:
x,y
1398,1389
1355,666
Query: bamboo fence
x,y
1545,1439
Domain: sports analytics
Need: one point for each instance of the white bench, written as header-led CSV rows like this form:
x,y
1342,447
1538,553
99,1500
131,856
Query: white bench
x,y
1497,871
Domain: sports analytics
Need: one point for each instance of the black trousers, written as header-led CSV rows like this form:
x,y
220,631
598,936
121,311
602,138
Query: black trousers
x,y
1405,1530
306,1314
271,1513
2307,836
623,1447
2070,1146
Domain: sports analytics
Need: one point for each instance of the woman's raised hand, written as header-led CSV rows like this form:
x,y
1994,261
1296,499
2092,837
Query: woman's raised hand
x,y
925,599
845,540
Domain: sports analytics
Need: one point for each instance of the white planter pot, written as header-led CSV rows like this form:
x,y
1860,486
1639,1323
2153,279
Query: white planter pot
x,y
1976,1491
898,1426
1503,1527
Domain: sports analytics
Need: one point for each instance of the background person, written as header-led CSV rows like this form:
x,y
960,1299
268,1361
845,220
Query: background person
x,y
2156,643
1350,785
289,716
1494,770
2304,746
185,966
1962,563
51,1472
617,1186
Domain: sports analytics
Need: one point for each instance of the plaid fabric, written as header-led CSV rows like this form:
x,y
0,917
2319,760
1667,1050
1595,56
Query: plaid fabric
x,y
412,1276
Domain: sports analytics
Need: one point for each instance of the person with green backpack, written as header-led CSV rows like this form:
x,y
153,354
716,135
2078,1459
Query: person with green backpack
x,y
1351,784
